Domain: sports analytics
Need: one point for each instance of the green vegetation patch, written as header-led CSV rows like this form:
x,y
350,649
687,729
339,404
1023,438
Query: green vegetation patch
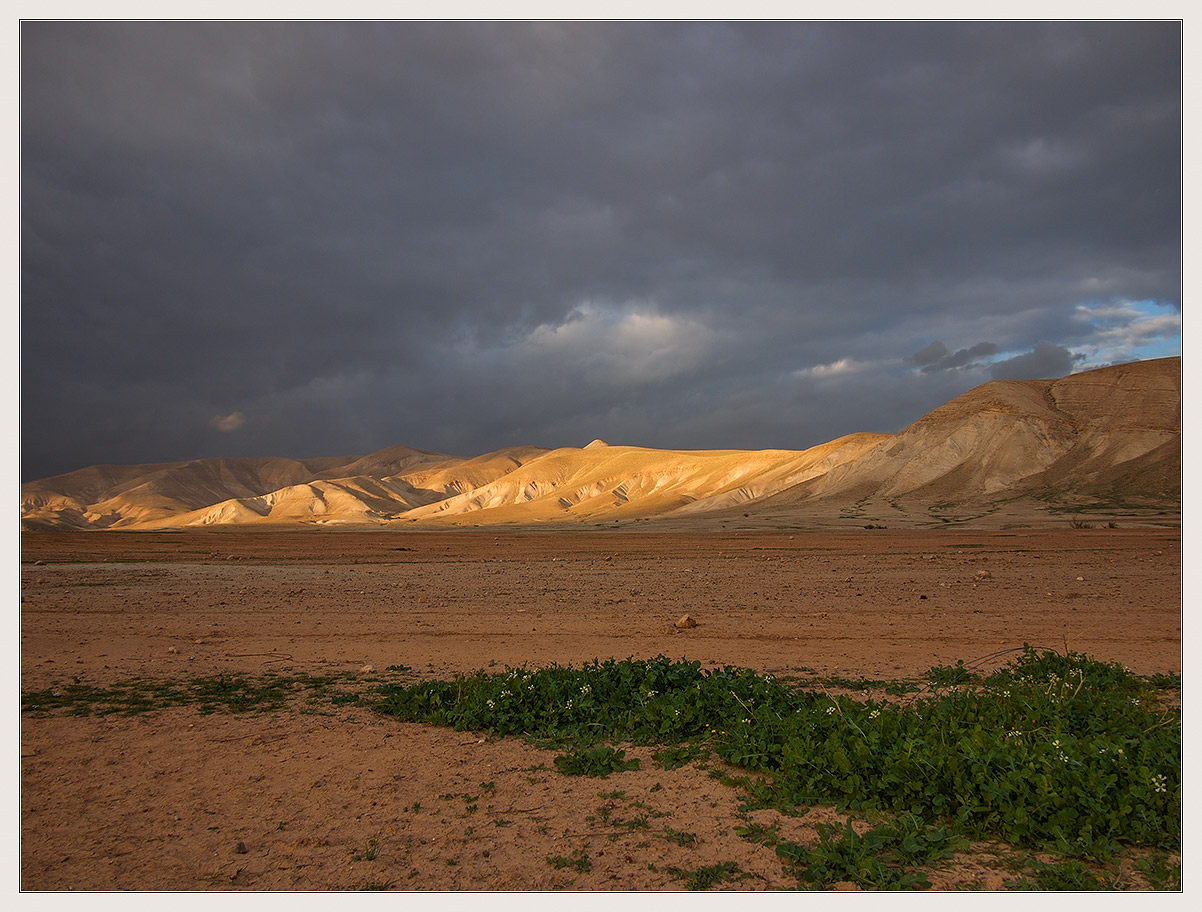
x,y
1053,751
886,857
233,693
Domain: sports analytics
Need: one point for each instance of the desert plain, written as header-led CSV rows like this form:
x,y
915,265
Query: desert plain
x,y
333,796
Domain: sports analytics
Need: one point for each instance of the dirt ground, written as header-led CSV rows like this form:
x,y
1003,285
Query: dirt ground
x,y
348,799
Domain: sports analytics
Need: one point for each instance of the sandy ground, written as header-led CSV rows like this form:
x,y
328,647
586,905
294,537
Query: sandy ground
x,y
347,799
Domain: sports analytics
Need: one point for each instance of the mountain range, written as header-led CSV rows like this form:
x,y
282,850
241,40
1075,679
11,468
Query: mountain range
x,y
1100,443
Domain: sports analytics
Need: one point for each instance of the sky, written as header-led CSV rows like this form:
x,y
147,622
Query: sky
x,y
322,239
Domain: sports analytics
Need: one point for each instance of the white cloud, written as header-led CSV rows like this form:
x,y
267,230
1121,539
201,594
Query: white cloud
x,y
1127,330
228,423
1043,158
842,367
619,345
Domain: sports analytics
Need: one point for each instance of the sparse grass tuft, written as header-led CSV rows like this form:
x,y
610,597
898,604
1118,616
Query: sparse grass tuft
x,y
707,876
578,862
687,840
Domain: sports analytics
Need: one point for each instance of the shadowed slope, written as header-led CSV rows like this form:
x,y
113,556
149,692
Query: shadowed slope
x,y
1114,431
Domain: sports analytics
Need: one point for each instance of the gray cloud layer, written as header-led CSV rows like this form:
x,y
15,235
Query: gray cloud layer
x,y
270,239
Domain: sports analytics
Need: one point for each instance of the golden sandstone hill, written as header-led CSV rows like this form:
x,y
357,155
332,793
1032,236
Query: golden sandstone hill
x,y
1103,444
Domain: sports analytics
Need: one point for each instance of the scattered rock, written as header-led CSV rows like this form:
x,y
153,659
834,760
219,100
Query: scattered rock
x,y
984,575
240,848
171,650
367,669
685,622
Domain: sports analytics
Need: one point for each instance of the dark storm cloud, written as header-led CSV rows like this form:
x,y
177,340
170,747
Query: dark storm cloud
x,y
936,357
932,354
1043,361
259,239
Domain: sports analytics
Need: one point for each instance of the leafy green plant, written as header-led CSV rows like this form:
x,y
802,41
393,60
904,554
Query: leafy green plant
x,y
951,675
840,683
1161,871
671,758
600,761
876,859
1070,874
758,833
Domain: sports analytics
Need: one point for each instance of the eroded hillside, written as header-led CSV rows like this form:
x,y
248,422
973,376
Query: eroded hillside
x,y
1108,439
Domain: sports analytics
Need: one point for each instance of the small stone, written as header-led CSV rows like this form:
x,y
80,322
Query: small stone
x,y
685,623
984,575
1080,579
240,848
172,651
367,669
